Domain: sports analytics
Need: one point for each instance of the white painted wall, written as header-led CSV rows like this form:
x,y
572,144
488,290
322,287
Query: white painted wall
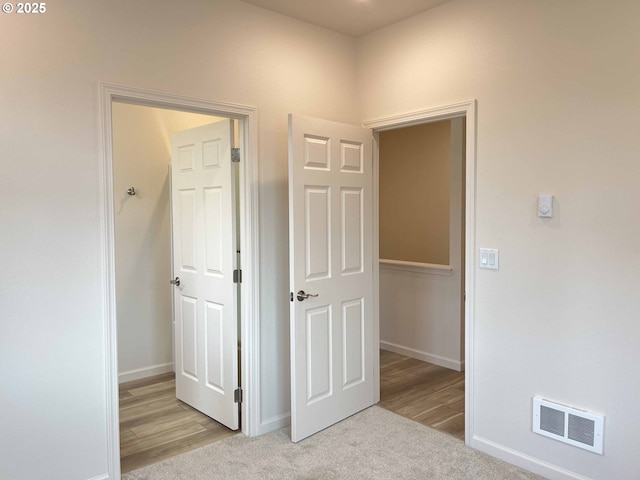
x,y
141,158
421,309
51,308
558,112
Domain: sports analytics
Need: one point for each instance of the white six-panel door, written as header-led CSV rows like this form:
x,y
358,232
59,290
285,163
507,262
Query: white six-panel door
x,y
331,231
204,258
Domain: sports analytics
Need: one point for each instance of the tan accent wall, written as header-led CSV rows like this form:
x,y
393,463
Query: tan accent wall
x,y
414,193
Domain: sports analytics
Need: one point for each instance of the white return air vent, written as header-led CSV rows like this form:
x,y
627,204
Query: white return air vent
x,y
569,425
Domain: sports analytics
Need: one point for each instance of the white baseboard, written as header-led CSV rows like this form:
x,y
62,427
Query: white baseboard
x,y
274,423
104,476
145,372
519,459
424,356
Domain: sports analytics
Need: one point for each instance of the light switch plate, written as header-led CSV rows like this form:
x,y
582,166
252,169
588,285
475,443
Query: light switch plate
x,y
489,258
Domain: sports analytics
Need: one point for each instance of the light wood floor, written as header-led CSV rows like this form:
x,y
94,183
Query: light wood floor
x,y
154,425
426,393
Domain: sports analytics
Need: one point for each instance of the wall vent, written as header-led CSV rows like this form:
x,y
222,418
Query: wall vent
x,y
569,425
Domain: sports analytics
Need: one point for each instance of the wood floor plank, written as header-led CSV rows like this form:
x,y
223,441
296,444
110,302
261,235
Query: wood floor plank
x,y
171,449
410,391
160,438
388,358
150,389
454,426
137,411
437,416
127,436
210,424
155,425
124,395
457,404
166,422
151,416
419,406
142,382
133,401
427,393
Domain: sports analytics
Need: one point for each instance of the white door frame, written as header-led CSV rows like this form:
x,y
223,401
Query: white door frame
x,y
249,246
468,111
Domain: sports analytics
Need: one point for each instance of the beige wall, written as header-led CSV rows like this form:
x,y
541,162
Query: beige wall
x,y
558,110
414,193
53,331
141,158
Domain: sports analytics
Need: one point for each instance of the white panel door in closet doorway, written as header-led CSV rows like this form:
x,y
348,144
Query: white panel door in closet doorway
x,y
204,260
331,273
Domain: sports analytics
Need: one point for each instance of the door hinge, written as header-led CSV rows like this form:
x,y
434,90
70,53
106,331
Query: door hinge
x,y
237,276
237,395
235,155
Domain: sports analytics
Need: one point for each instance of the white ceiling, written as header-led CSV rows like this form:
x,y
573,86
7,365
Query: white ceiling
x,y
352,17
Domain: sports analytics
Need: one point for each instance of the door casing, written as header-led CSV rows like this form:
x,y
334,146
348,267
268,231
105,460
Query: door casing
x,y
249,245
466,110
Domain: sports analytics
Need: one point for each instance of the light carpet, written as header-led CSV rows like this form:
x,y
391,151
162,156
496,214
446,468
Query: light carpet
x,y
373,444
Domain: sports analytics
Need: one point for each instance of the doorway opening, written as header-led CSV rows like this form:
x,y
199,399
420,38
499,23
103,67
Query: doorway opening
x,y
421,186
114,98
460,417
158,420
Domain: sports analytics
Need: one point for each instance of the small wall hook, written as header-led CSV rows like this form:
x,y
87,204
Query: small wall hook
x,y
131,191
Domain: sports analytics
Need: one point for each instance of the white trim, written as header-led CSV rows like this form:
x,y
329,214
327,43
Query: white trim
x,y
107,246
527,462
416,267
422,116
249,208
275,423
424,356
376,267
468,111
145,372
104,476
250,286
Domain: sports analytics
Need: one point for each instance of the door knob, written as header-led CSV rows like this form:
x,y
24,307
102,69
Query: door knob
x,y
175,282
303,296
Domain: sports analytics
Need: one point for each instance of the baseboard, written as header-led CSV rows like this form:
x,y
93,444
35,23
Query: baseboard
x,y
424,356
104,476
519,459
145,372
274,423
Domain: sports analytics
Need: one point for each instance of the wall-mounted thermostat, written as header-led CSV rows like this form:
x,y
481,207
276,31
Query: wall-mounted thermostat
x,y
545,206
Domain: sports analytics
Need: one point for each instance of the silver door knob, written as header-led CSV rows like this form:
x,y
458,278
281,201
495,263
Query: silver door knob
x,y
303,296
175,282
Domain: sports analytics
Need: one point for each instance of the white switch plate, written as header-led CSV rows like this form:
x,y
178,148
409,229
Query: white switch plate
x,y
489,258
